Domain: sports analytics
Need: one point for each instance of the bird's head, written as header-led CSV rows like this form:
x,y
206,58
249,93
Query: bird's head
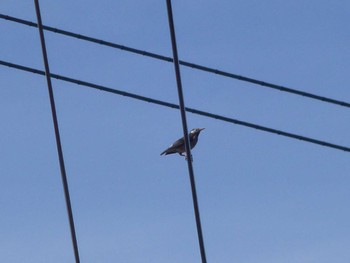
x,y
196,130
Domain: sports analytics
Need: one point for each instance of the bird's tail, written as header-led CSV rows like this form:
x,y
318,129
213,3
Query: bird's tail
x,y
168,151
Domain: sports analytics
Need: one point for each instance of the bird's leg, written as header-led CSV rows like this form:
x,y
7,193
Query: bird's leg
x,y
184,154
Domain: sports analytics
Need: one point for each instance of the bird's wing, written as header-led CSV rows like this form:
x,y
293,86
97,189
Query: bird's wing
x,y
178,143
172,147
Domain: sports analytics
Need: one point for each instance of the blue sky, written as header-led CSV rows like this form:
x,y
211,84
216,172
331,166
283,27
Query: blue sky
x,y
263,198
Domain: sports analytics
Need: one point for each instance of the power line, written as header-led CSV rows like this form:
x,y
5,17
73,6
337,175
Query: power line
x,y
184,63
185,131
174,106
57,133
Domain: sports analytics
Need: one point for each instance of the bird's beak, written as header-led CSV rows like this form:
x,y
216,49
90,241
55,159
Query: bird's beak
x,y
201,129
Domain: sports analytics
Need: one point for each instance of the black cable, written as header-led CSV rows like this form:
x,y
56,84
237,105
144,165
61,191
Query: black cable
x,y
57,133
185,131
174,106
184,63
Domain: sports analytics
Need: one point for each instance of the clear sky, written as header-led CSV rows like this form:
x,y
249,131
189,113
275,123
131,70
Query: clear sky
x,y
263,197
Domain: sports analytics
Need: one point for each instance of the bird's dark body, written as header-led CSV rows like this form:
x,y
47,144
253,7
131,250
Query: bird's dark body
x,y
179,145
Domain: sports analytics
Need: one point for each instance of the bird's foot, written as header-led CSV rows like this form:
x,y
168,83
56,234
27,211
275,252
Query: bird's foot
x,y
187,158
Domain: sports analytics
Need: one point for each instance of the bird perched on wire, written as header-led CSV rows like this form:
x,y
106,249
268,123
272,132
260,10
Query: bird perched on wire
x,y
179,145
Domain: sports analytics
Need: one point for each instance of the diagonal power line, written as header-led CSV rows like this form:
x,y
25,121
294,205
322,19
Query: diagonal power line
x,y
57,133
185,131
183,63
175,106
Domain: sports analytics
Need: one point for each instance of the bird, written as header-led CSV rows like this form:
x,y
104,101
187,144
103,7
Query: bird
x,y
179,145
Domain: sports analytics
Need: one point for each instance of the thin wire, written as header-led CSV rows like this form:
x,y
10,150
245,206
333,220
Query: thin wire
x,y
174,106
184,63
185,131
57,133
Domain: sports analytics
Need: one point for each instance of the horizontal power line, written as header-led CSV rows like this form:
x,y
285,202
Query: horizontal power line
x,y
175,106
184,63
